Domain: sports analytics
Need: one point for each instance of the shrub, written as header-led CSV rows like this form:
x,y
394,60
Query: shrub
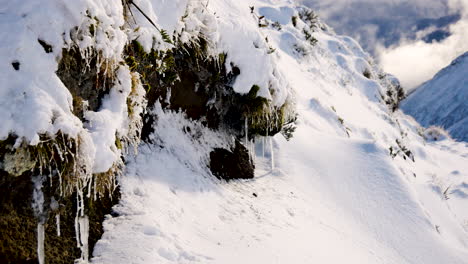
x,y
435,133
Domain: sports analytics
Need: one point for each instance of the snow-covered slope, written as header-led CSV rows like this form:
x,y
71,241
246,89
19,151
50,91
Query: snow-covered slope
x,y
344,189
443,101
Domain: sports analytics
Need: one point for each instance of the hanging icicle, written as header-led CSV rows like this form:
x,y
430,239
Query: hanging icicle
x,y
272,156
40,243
81,226
252,150
57,222
246,127
263,147
38,208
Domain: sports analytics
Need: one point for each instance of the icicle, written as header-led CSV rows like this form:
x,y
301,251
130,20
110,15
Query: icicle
x,y
84,235
95,189
246,131
40,243
38,208
60,182
78,208
81,226
252,150
263,147
88,195
57,222
272,156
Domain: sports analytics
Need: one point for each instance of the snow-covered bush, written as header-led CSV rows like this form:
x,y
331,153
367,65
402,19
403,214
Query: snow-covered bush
x,y
394,93
435,133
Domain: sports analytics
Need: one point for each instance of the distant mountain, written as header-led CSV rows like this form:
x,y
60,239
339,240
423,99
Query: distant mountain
x,y
443,101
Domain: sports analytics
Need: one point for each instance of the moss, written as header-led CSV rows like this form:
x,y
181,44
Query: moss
x,y
118,142
85,79
200,86
264,119
18,162
56,161
106,182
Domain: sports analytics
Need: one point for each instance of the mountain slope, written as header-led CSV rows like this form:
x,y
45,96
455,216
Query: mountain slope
x,y
443,101
332,194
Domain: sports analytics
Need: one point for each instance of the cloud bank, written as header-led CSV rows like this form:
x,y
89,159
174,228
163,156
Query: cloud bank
x,y
417,61
410,39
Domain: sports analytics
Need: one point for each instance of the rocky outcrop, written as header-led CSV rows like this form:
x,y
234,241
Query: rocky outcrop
x,y
232,164
55,196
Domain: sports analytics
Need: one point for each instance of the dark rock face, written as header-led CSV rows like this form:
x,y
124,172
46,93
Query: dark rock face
x,y
232,164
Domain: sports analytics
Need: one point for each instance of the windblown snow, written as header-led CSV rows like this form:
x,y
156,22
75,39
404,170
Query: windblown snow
x,y
357,183
443,101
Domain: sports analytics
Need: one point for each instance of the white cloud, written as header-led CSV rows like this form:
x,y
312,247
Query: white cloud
x,y
414,62
376,24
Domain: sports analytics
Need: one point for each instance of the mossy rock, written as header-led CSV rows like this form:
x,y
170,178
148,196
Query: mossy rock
x,y
18,221
200,85
85,79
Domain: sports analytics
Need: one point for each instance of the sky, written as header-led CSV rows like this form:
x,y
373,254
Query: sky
x,y
412,39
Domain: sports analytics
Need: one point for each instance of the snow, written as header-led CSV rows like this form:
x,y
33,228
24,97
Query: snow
x,y
105,124
249,50
443,101
332,194
35,88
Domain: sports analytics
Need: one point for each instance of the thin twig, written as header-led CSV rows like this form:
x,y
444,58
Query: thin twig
x,y
143,13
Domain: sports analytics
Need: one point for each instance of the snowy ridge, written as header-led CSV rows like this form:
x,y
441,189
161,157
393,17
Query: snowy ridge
x,y
344,189
443,101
